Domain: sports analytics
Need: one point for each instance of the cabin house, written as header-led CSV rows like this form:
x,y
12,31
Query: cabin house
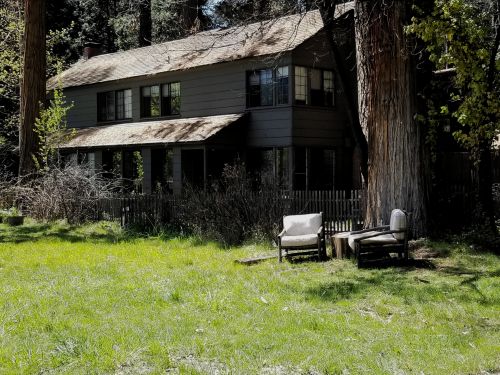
x,y
265,93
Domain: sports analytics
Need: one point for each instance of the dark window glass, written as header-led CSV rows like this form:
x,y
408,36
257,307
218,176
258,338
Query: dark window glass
x,y
150,102
171,99
106,106
260,88
317,97
282,85
328,88
300,171
123,104
266,87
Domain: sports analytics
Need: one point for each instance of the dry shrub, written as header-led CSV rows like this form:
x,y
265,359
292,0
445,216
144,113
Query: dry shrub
x,y
70,192
233,210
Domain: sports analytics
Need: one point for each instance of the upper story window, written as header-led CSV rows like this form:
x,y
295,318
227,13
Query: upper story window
x,y
314,86
161,100
150,101
171,99
301,85
114,105
282,85
267,87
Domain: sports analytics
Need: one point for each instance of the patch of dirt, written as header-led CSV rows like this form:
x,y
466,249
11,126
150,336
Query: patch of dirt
x,y
420,250
201,365
286,370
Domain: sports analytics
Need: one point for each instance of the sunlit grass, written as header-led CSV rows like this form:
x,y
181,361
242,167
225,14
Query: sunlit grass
x,y
93,299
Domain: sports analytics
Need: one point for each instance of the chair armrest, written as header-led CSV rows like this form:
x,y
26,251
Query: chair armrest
x,y
282,233
320,230
383,227
377,234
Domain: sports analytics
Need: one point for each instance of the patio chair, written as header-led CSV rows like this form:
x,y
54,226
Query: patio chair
x,y
392,238
300,234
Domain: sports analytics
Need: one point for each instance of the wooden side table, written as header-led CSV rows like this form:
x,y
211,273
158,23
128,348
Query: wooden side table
x,y
340,245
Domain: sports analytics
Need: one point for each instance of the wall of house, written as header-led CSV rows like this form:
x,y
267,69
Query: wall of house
x,y
221,89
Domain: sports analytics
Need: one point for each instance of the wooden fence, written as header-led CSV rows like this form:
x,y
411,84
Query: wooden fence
x,y
342,210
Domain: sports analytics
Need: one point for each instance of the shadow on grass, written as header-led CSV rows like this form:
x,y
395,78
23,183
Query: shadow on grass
x,y
400,283
102,232
38,231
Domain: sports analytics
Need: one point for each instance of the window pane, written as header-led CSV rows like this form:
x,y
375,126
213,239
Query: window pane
x,y
155,101
110,106
128,103
266,87
282,85
175,88
328,88
300,85
175,94
316,91
170,99
120,105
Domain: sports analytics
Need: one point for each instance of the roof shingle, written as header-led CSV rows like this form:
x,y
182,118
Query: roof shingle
x,y
205,48
195,129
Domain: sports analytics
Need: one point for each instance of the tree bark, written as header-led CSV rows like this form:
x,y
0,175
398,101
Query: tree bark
x,y
33,82
145,23
396,160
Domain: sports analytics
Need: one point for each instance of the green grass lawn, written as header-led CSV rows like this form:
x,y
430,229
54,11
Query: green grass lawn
x,y
93,300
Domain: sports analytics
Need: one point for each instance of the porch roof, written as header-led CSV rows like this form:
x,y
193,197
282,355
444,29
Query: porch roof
x,y
181,130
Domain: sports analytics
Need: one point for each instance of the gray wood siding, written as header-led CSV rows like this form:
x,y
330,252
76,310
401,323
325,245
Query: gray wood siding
x,y
318,126
205,91
270,127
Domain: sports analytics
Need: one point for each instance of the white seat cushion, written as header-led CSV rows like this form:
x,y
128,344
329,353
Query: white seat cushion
x,y
381,240
296,225
398,222
300,240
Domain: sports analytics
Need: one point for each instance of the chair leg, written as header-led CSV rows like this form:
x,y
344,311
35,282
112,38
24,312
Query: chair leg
x,y
280,257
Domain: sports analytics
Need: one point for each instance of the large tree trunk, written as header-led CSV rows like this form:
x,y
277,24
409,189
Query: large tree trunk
x,y
396,167
33,82
145,23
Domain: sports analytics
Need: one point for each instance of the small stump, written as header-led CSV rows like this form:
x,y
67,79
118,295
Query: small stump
x,y
340,245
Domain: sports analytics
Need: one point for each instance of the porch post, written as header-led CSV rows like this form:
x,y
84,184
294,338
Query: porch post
x,y
146,167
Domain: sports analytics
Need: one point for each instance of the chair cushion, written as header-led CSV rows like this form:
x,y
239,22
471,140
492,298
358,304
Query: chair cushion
x,y
383,239
296,225
300,240
398,222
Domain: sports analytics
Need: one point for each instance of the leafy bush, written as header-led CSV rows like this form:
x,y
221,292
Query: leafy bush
x,y
233,210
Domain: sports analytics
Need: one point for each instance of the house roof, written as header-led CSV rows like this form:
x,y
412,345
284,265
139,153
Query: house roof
x,y
205,48
183,130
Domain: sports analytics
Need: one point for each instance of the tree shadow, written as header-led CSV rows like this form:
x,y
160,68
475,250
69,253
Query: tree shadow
x,y
405,282
39,231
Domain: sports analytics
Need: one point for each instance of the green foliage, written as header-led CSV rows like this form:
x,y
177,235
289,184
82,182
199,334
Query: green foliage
x,y
460,34
51,128
139,168
11,29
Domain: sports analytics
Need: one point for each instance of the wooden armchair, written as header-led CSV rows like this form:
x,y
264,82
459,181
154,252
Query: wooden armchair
x,y
300,234
386,239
